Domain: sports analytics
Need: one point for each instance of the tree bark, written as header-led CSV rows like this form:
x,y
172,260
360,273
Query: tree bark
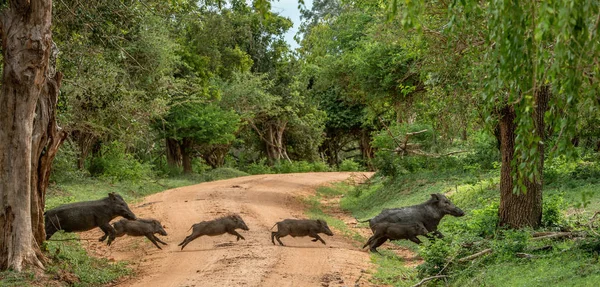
x,y
186,155
366,149
518,210
173,152
29,137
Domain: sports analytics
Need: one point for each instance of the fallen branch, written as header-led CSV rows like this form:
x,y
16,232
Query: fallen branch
x,y
525,255
591,225
428,279
476,255
554,235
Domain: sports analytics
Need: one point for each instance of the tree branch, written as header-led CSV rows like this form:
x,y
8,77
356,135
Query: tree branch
x,y
476,255
428,279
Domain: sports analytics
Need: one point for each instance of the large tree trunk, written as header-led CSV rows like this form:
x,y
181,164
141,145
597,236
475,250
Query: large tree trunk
x,y
29,137
366,149
186,155
173,152
519,209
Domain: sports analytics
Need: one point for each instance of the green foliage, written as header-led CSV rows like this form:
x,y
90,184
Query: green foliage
x,y
114,163
299,166
11,278
70,256
349,165
64,166
484,152
484,222
552,210
436,254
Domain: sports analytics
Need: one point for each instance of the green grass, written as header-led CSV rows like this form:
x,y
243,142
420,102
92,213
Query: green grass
x,y
85,270
477,193
316,210
91,189
18,279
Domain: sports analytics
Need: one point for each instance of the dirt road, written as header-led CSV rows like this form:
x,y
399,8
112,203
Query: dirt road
x,y
261,200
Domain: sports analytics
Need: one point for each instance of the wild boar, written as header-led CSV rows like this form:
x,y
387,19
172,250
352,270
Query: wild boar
x,y
85,215
218,226
395,231
300,227
140,227
428,214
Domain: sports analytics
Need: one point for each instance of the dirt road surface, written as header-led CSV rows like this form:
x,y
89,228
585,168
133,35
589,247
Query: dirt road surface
x,y
261,200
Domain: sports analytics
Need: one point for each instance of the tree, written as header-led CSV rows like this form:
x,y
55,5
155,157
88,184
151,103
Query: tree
x,y
203,125
536,61
29,136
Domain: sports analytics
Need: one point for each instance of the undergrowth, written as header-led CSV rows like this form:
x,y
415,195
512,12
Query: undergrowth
x,y
516,258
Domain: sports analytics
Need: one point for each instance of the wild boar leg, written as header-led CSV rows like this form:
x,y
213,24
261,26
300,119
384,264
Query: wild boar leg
x,y
317,237
151,238
233,232
108,231
189,239
377,242
277,236
157,239
415,240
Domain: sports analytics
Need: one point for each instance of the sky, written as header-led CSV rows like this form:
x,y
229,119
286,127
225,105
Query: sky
x,y
289,9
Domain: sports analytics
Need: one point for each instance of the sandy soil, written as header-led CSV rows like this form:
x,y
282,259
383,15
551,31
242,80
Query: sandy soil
x,y
261,200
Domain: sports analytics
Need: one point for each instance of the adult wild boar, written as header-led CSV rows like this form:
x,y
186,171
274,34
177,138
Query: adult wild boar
x,y
85,215
140,227
428,213
227,224
395,231
300,227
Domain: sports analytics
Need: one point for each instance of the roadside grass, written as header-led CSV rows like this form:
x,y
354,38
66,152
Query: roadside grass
x,y
317,210
69,263
568,205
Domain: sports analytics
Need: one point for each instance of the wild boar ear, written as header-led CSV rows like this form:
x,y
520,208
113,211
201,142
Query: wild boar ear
x,y
320,222
111,195
435,196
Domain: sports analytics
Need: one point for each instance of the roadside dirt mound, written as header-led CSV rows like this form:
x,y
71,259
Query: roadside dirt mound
x,y
261,201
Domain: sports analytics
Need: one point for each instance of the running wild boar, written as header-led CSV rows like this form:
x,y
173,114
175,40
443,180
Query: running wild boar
x,y
395,231
140,227
227,224
428,213
300,227
86,215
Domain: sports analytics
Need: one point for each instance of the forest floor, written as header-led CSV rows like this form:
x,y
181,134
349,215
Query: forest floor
x,y
261,200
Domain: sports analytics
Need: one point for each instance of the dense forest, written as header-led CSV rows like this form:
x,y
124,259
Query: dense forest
x,y
139,91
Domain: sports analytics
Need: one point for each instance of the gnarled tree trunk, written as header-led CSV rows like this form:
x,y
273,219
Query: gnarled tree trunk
x,y
29,137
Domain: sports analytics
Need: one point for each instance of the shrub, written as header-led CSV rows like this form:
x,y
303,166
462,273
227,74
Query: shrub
x,y
259,168
436,254
552,207
116,164
484,221
349,165
64,166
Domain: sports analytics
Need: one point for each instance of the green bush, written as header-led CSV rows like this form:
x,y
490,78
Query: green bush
x,y
552,208
484,221
259,168
64,166
436,254
299,166
349,165
484,152
116,164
